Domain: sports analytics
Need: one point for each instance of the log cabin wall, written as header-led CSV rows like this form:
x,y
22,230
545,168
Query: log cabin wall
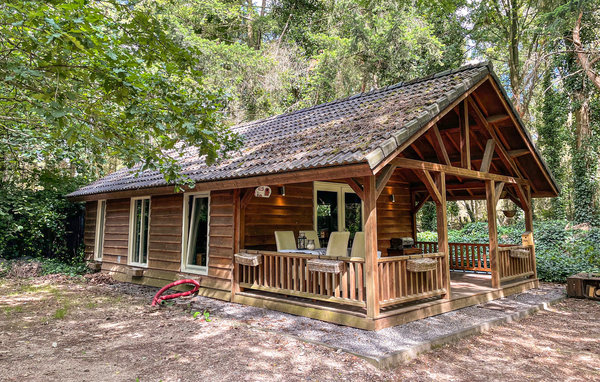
x,y
262,216
116,235
165,238
292,212
221,232
89,233
393,218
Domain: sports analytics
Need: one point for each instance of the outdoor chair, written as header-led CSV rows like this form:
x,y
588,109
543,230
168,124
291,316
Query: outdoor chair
x,y
285,240
312,235
338,244
358,245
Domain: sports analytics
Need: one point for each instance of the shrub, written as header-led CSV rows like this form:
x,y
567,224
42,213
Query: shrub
x,y
33,221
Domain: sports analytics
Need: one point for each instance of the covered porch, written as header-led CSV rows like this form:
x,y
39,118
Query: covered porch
x,y
382,289
475,149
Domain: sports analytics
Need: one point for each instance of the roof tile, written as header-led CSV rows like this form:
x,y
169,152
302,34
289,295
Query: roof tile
x,y
363,128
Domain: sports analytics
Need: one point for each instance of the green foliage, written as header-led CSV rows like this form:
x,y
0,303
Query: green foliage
x,y
428,217
205,315
33,221
70,268
560,250
82,79
553,139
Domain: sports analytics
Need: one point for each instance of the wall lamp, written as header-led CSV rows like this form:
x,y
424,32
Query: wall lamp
x,y
282,190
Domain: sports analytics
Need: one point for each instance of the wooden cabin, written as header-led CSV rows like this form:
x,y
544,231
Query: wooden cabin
x,y
366,164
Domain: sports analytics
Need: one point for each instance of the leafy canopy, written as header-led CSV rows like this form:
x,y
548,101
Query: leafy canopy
x,y
82,80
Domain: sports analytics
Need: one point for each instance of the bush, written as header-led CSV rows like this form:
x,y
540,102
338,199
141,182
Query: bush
x,y
33,221
54,266
560,250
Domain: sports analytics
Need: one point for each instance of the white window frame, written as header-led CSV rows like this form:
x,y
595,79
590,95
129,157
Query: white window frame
x,y
100,222
132,229
185,267
341,189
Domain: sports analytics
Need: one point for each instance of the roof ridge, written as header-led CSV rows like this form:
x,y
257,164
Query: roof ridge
x,y
373,91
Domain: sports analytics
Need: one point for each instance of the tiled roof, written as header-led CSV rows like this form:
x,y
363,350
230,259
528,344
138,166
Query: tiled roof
x,y
364,128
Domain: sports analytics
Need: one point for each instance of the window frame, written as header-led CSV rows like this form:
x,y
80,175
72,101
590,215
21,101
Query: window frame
x,y
132,229
341,189
185,234
100,222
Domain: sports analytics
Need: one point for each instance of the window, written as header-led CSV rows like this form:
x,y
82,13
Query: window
x,y
138,231
329,217
195,227
99,242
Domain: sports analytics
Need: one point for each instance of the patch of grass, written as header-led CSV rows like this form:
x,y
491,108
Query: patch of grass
x,y
60,313
91,305
32,288
8,310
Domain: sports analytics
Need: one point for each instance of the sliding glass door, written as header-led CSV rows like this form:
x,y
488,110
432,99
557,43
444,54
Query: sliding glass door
x,y
336,208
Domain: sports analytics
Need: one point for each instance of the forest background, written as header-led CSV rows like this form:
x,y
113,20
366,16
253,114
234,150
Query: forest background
x,y
88,86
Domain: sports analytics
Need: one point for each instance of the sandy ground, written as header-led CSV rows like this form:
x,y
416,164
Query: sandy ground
x,y
57,328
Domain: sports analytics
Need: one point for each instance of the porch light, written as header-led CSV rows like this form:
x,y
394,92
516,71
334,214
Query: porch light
x,y
392,198
282,190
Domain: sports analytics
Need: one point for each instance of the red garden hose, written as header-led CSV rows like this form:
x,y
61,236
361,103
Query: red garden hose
x,y
158,298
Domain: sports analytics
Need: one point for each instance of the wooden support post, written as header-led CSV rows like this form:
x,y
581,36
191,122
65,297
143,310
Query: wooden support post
x,y
490,196
413,216
529,228
237,211
371,266
442,231
465,142
488,154
438,145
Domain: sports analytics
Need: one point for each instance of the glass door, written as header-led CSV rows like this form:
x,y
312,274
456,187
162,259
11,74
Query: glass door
x,y
327,215
352,213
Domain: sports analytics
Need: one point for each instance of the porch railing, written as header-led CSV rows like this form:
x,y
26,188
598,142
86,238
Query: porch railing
x,y
288,273
398,285
475,257
463,256
515,262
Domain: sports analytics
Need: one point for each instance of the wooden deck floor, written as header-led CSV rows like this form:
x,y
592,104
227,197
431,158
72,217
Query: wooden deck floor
x,y
467,289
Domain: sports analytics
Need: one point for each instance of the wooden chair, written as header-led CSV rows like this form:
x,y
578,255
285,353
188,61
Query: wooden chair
x,y
285,240
338,244
358,245
312,235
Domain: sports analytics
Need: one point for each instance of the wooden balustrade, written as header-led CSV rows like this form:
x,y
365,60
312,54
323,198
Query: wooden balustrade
x,y
464,256
514,267
398,285
287,273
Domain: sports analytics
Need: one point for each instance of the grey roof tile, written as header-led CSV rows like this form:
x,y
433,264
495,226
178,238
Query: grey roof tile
x,y
363,128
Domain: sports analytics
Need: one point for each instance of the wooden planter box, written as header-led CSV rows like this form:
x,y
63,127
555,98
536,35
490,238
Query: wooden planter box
x,y
519,253
326,266
421,265
248,259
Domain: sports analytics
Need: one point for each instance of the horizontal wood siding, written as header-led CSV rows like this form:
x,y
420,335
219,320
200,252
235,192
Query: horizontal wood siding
x,y
393,218
220,253
89,231
166,220
165,237
292,212
116,232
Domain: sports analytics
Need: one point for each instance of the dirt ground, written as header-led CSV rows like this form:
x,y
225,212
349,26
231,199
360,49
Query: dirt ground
x,y
60,328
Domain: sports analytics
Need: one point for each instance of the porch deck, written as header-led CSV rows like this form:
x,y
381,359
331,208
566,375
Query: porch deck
x,y
467,289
